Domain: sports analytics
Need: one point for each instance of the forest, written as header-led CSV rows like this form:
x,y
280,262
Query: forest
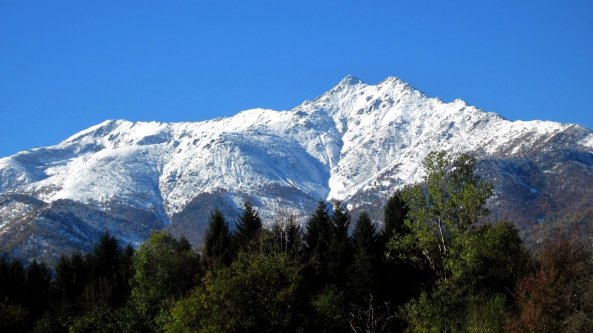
x,y
434,264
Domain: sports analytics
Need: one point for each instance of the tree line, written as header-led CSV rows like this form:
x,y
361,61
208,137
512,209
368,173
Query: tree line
x,y
435,266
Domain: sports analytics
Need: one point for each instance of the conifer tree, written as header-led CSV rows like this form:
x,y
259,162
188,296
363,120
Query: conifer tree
x,y
109,273
13,315
12,278
316,249
71,278
217,245
340,225
248,227
364,259
340,251
365,237
37,282
395,213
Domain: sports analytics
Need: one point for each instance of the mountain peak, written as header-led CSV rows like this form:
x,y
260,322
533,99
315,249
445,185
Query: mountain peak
x,y
399,84
356,143
350,80
393,79
96,130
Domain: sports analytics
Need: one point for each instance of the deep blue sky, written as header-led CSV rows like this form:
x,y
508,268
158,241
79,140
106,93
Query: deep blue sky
x,y
67,65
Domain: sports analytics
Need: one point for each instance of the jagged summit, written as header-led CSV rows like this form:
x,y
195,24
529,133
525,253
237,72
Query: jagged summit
x,y
356,143
350,80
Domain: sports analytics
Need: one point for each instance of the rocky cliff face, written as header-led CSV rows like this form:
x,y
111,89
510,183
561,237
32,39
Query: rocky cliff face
x,y
356,143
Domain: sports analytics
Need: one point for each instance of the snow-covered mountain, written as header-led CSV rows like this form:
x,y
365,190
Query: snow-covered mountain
x,y
356,143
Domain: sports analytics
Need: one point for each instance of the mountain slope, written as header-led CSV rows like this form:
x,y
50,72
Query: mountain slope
x,y
356,143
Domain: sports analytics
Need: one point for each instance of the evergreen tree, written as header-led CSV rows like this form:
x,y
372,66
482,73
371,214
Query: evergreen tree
x,y
12,281
365,260
71,278
248,227
13,312
365,237
217,241
340,249
90,291
395,213
36,293
398,278
317,237
109,273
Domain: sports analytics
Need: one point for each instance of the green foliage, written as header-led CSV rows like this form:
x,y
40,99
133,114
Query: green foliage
x,y
108,274
444,209
165,269
448,309
257,293
217,241
492,258
317,232
36,294
71,278
100,320
12,278
247,228
365,237
476,266
89,290
340,247
487,314
24,294
317,245
329,310
395,214
441,310
12,316
365,261
436,267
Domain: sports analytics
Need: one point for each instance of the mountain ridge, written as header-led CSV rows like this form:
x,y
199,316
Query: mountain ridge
x,y
356,143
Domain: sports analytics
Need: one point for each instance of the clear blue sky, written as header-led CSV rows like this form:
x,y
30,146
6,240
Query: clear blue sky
x,y
67,65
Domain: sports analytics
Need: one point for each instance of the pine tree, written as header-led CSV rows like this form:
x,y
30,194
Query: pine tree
x,y
340,250
248,227
316,249
72,275
13,313
395,213
108,278
365,237
217,247
340,225
37,282
365,259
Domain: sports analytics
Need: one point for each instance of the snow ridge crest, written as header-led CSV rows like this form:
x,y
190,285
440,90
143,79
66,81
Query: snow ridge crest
x,y
354,138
